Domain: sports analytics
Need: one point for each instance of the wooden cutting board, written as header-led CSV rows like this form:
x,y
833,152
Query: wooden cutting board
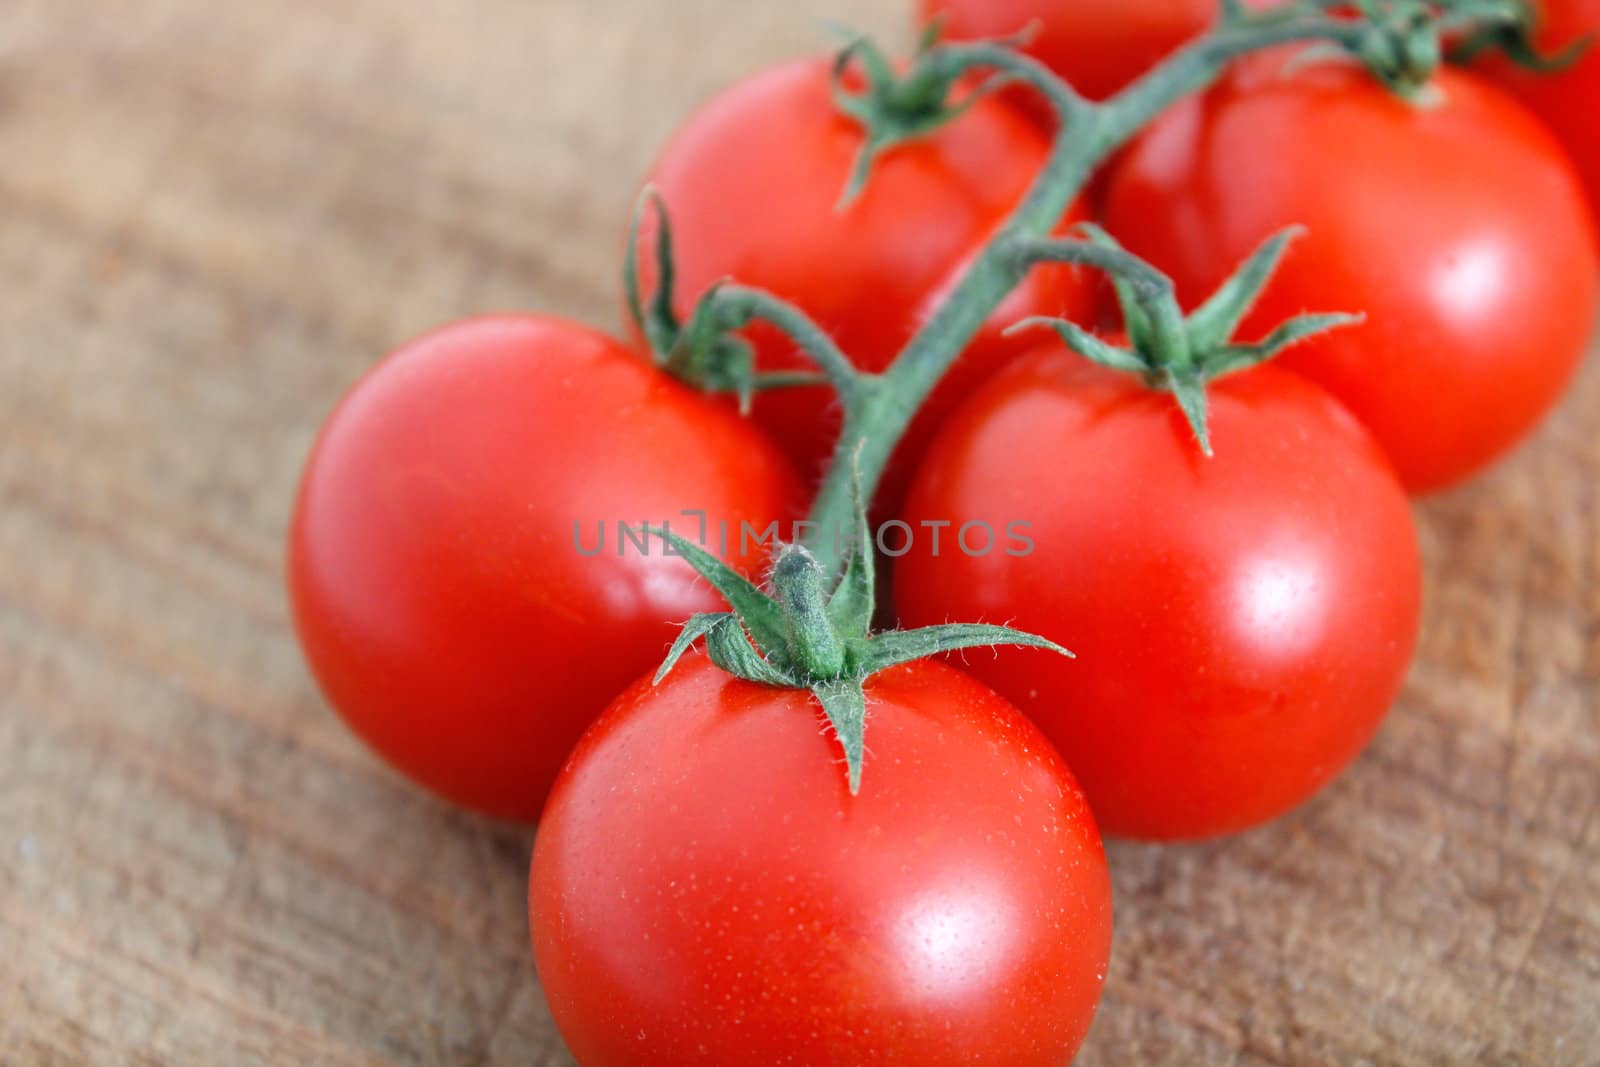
x,y
213,216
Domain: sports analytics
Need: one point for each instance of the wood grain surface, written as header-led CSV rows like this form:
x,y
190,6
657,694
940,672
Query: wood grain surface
x,y
214,215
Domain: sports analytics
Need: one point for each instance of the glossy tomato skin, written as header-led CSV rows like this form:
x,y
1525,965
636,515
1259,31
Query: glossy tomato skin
x,y
1459,228
753,183
1242,623
1568,100
438,591
1096,46
706,891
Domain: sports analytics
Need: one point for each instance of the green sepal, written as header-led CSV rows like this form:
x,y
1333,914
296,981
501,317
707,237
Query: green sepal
x,y
906,646
860,46
760,614
706,352
1398,43
893,110
1189,390
1130,297
1088,345
1232,358
851,607
710,353
931,34
729,648
845,704
657,320
728,645
1516,40
1214,323
1402,43
693,630
1516,43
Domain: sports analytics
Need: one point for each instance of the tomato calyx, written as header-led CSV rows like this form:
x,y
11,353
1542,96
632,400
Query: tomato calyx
x,y
1516,41
940,84
706,352
1400,44
811,632
1173,351
892,108
1403,42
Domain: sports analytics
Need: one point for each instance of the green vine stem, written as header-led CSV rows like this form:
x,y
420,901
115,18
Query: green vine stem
x,y
811,629
1088,134
730,306
1397,39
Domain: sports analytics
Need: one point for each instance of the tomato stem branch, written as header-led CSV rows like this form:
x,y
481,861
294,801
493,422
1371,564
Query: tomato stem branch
x,y
736,306
1150,290
880,409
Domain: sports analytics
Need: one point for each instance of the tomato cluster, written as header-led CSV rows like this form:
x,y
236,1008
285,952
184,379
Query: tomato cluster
x,y
1226,545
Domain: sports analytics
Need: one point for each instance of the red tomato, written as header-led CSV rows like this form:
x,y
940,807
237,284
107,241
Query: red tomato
x,y
439,592
1569,101
752,186
1458,227
1098,47
706,891
1242,623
